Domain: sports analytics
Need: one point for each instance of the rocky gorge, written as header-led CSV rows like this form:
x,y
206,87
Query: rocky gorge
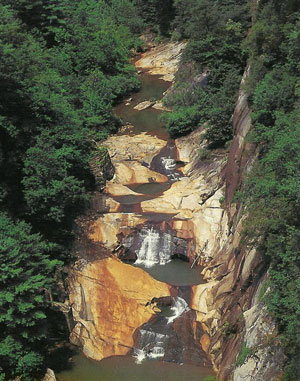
x,y
165,204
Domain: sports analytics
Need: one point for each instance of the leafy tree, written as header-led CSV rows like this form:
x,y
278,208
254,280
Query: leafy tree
x,y
25,272
216,31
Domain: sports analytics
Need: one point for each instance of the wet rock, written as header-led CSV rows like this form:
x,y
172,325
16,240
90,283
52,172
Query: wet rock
x,y
162,301
109,302
144,105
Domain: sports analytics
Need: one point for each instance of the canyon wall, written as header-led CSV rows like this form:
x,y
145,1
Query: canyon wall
x,y
110,299
243,339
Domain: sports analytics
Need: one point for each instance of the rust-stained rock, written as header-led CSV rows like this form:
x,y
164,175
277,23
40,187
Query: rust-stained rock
x,y
205,342
110,300
106,228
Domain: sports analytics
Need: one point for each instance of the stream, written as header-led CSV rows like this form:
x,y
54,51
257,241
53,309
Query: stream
x,y
155,248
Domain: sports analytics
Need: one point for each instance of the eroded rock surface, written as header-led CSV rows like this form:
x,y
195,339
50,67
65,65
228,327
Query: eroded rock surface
x,y
228,307
162,60
50,375
140,147
132,172
110,300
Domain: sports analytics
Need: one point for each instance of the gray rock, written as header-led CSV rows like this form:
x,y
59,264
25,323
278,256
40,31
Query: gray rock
x,y
50,375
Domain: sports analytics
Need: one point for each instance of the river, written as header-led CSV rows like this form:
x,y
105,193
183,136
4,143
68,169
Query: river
x,y
163,256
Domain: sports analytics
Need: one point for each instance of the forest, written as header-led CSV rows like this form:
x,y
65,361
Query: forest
x,y
63,66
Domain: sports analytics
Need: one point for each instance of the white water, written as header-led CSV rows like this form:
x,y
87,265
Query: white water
x,y
168,163
179,307
155,248
152,344
170,167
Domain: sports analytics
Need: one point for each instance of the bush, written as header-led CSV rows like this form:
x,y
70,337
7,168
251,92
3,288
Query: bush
x,y
182,121
245,352
204,154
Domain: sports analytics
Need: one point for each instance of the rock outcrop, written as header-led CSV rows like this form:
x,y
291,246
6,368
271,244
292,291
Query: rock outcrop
x,y
228,306
50,375
110,300
162,60
140,147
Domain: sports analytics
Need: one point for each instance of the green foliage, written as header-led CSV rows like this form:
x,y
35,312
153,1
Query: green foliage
x,y
63,65
210,378
182,121
272,188
215,33
245,352
158,15
204,154
25,273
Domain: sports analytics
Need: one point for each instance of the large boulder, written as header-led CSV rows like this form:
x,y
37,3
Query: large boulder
x,y
110,301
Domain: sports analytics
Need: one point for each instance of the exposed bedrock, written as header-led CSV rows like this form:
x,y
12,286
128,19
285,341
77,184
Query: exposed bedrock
x,y
110,300
229,307
162,60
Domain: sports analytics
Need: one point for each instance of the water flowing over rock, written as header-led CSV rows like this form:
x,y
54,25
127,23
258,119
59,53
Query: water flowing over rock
x,y
178,308
119,309
110,300
154,247
152,345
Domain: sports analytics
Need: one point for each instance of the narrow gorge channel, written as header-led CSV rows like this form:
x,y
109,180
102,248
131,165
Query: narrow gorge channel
x,y
132,289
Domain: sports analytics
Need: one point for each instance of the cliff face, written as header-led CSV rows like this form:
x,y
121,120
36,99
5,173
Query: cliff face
x,y
229,306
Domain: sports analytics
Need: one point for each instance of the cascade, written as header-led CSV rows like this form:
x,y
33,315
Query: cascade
x,y
154,247
151,345
169,165
179,307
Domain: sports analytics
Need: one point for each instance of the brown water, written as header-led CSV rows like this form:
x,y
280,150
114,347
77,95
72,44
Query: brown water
x,y
124,368
146,120
176,272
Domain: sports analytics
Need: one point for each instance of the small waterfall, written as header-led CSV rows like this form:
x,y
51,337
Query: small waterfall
x,y
151,346
168,163
179,307
156,248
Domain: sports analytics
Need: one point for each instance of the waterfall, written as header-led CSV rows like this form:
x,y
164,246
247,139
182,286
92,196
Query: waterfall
x,y
155,248
179,307
151,346
168,163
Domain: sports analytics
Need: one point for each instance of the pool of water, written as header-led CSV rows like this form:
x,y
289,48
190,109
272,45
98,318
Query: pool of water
x,y
176,272
145,120
150,188
125,369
